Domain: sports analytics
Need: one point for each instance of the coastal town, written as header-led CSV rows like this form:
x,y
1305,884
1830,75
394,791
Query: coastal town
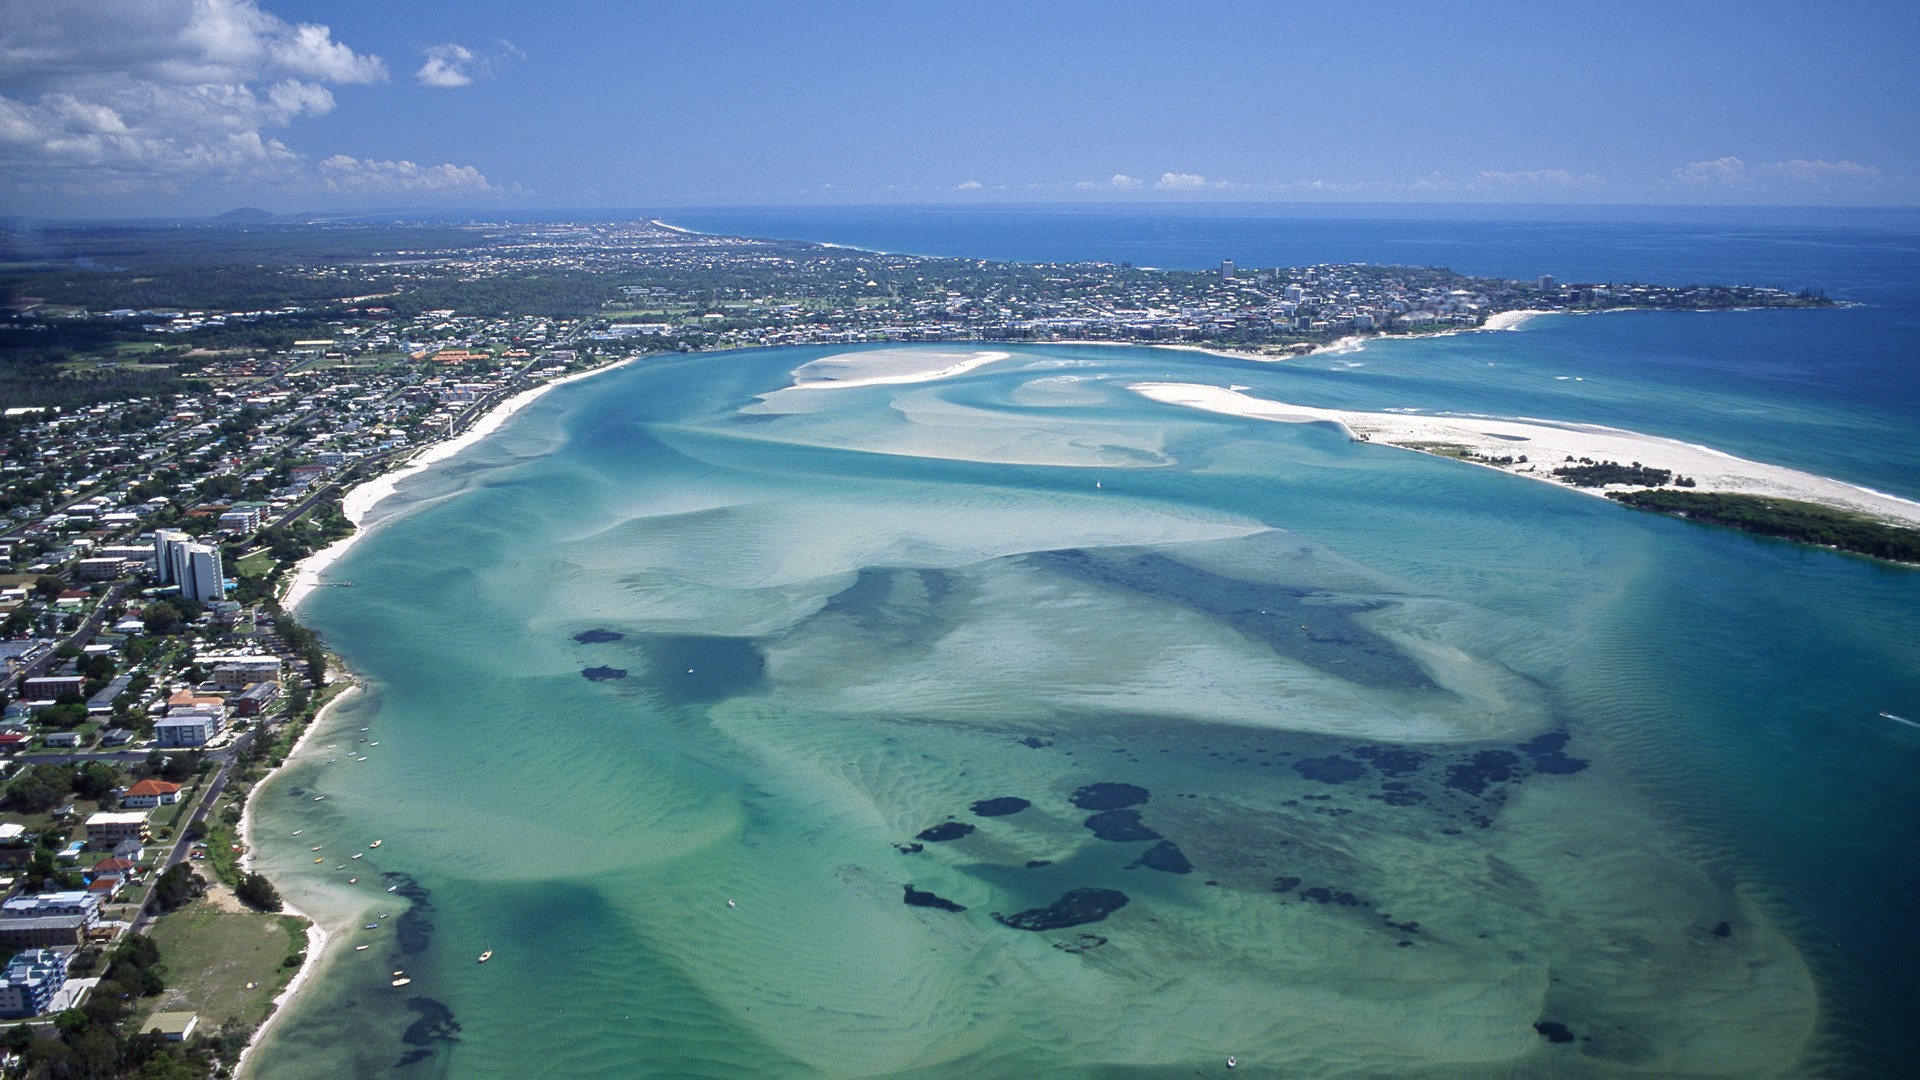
x,y
179,434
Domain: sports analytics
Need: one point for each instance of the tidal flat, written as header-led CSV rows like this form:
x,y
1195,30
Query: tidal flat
x,y
1229,738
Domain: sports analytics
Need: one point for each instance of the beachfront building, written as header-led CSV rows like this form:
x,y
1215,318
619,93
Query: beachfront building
x,y
43,932
107,829
254,699
239,672
171,1026
31,981
186,729
148,794
48,920
70,902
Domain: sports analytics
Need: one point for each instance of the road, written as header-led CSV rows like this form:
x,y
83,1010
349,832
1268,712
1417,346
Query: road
x,y
79,638
185,829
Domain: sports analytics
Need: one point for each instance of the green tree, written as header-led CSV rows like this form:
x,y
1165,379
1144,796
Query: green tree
x,y
95,781
161,618
174,888
257,892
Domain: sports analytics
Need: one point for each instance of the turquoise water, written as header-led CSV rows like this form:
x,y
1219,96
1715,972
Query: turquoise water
x,y
845,616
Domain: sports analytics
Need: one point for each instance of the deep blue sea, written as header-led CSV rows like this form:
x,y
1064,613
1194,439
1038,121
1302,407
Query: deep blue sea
x,y
1470,775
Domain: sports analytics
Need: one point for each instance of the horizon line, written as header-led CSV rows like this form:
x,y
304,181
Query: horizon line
x,y
1325,208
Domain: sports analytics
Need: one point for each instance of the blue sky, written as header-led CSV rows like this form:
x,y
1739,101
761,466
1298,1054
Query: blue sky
x,y
142,107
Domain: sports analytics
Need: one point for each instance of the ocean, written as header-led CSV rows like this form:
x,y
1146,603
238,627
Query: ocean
x,y
702,701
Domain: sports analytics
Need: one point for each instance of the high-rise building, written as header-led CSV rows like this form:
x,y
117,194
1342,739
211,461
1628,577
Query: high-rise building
x,y
164,541
1546,282
200,573
1226,269
194,567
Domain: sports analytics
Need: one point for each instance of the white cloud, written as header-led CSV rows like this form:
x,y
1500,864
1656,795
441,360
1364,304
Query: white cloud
x,y
1122,180
1724,170
969,185
153,95
452,65
1533,178
1173,181
448,65
1799,174
343,172
1829,171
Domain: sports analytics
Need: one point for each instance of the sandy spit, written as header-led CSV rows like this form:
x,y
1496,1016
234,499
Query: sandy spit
x,y
1547,443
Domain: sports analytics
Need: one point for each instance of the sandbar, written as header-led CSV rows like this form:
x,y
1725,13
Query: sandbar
x,y
1548,443
885,367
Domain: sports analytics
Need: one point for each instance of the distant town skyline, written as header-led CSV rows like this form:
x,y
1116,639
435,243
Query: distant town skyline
x,y
190,107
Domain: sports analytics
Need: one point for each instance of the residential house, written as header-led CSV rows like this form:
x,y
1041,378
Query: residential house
x,y
147,794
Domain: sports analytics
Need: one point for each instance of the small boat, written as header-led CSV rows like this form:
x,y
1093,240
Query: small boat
x,y
375,742
361,948
486,956
393,888
353,881
297,832
359,854
401,982
322,858
376,843
1232,1063
316,847
399,974
318,798
730,903
373,926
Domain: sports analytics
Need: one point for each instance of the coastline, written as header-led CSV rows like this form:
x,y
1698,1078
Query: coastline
x,y
318,936
356,504
1485,440
360,499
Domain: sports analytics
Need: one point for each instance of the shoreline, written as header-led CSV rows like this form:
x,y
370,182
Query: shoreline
x,y
356,504
318,936
358,501
1484,440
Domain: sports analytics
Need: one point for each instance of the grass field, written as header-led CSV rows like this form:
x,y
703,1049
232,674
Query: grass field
x,y
258,564
212,954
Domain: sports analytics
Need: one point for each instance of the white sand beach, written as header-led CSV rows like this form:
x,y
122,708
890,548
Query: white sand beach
x,y
317,935
1545,444
362,498
1510,320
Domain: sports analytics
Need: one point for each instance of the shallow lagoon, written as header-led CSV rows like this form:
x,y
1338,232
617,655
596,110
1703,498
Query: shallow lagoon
x,y
844,622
